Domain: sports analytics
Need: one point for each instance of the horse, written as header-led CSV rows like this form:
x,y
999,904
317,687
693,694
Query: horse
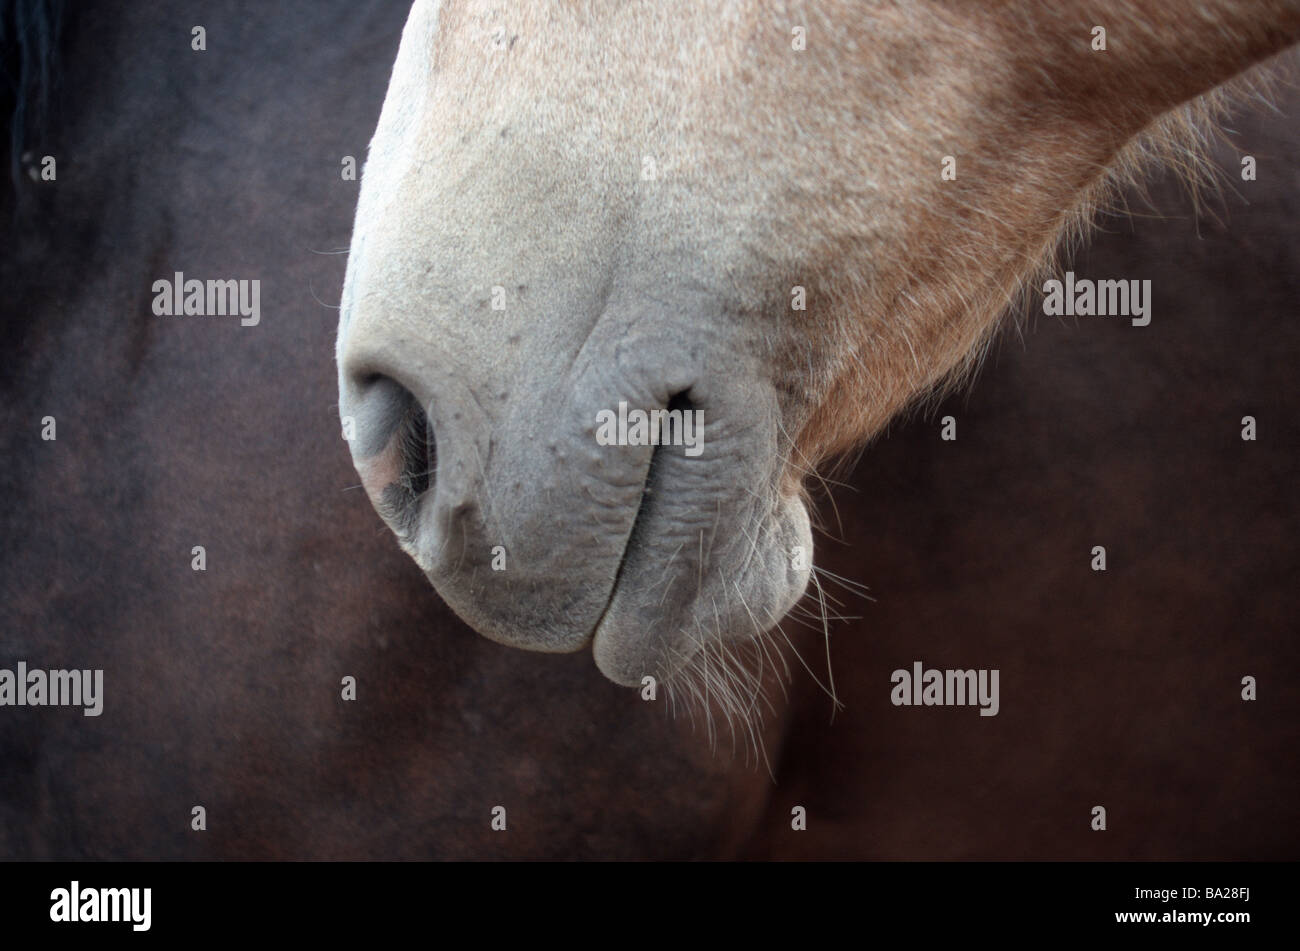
x,y
279,679
691,247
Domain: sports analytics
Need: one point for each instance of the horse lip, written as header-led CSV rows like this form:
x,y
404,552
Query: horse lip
x,y
622,558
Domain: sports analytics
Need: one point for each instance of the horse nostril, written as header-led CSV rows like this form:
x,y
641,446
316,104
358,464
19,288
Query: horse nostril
x,y
418,449
681,402
408,439
394,449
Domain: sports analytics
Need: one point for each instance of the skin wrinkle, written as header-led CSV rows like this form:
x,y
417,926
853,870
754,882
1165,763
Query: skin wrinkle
x,y
774,168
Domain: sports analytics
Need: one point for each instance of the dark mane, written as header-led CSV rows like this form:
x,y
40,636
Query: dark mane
x,y
29,44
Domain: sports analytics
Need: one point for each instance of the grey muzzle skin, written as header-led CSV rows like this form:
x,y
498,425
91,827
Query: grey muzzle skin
x,y
492,476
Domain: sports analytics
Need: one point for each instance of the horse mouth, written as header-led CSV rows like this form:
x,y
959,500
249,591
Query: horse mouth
x,y
639,528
